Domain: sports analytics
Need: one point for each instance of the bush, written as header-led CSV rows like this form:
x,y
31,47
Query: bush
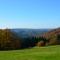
x,y
41,43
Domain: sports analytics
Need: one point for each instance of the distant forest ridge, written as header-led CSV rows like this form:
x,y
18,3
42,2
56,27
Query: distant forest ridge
x,y
29,32
26,38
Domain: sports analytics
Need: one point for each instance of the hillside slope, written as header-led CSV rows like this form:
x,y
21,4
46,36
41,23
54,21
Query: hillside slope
x,y
52,36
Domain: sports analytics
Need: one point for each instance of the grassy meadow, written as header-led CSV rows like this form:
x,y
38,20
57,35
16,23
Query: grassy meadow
x,y
36,53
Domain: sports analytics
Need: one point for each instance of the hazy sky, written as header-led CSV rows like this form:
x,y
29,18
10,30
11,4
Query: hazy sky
x,y
29,13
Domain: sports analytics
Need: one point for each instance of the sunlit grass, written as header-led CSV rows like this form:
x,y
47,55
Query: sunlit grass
x,y
36,53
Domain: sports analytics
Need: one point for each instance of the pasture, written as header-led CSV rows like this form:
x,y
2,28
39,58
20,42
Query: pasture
x,y
35,53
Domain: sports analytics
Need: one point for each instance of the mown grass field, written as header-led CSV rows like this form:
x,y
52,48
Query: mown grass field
x,y
36,53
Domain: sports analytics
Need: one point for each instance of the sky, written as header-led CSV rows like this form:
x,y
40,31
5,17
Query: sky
x,y
29,14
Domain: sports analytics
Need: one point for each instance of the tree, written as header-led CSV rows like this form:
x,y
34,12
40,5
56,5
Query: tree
x,y
9,40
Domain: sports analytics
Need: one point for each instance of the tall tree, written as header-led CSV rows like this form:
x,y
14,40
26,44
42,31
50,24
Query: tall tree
x,y
9,40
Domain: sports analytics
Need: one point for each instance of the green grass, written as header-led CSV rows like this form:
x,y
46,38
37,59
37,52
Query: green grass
x,y
36,53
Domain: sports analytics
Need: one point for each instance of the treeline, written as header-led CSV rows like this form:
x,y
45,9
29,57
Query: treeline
x,y
53,37
10,40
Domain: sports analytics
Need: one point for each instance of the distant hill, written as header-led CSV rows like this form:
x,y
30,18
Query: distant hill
x,y
29,32
52,36
26,38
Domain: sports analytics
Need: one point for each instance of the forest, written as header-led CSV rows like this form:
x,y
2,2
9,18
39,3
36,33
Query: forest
x,y
11,41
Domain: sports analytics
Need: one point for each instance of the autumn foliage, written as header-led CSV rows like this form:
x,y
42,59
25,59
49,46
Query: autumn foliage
x,y
10,40
52,36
